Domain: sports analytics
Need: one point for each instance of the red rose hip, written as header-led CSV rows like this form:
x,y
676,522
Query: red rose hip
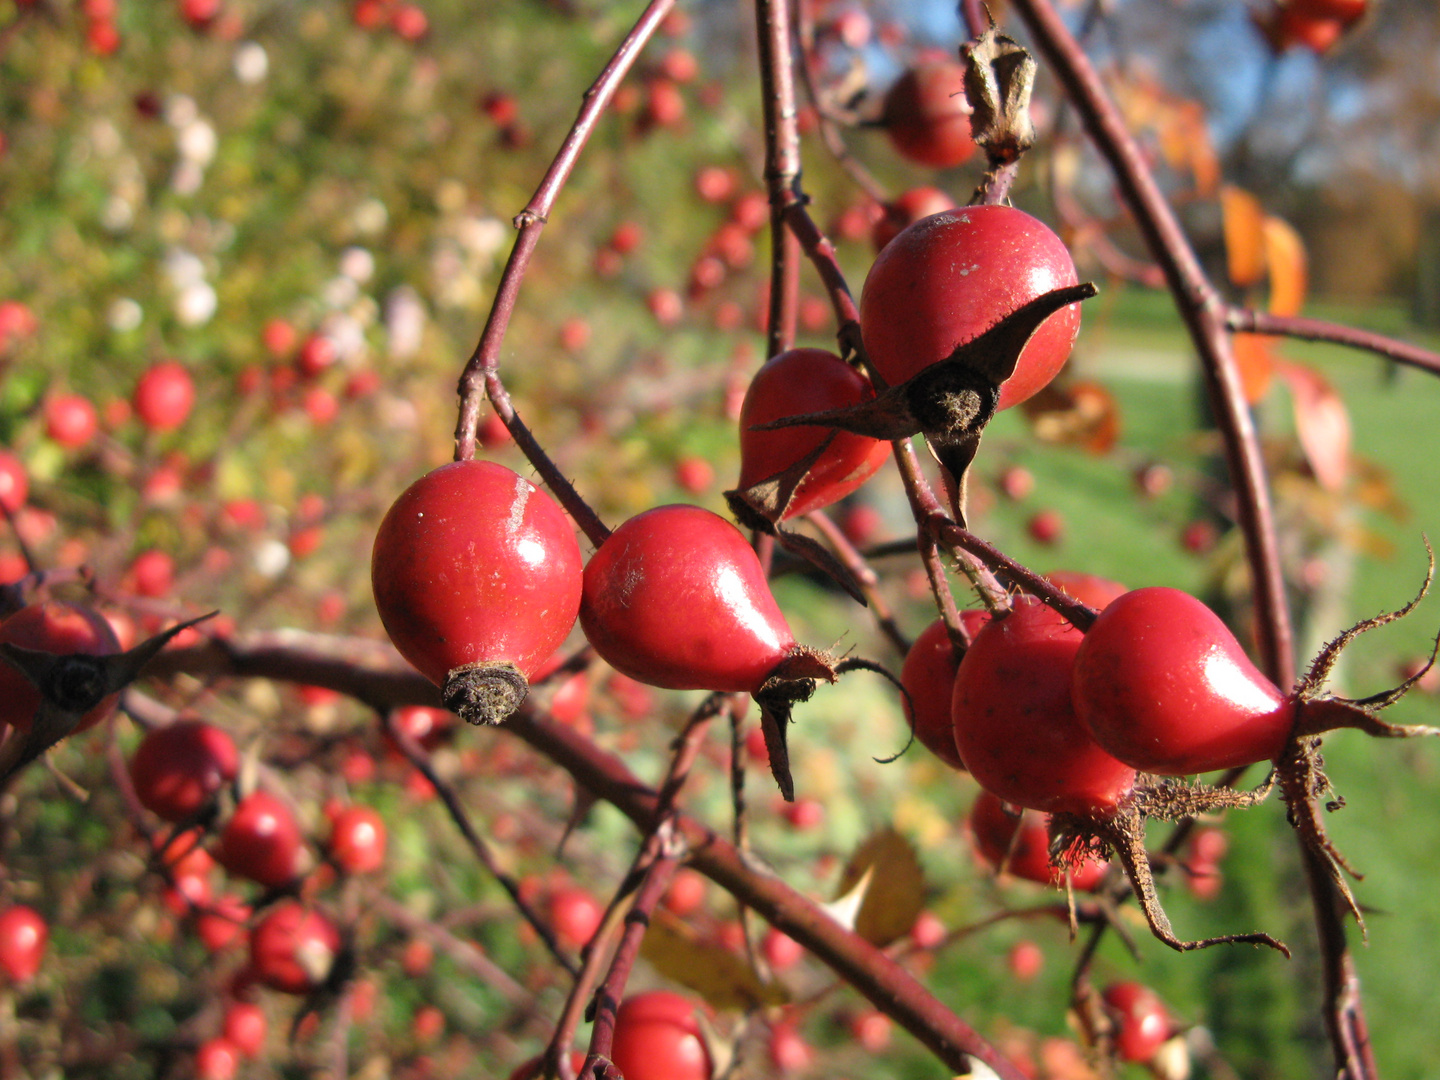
x,y
951,276
476,573
806,381
1014,725
1162,684
676,598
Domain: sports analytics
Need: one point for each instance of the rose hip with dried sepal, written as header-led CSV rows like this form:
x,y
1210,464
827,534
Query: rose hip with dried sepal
x,y
676,598
477,577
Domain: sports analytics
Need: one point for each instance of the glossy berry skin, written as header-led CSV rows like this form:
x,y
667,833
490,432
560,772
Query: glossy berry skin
x,y
293,948
993,830
951,276
164,396
70,420
262,842
657,1037
1161,683
178,768
246,1026
804,381
222,922
14,482
927,117
575,915
676,598
55,627
217,1059
475,564
928,677
1014,726
23,937
357,839
1142,1024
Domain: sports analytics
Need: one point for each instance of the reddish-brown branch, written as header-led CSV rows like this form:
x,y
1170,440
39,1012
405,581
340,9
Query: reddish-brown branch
x,y
687,750
782,166
1202,311
481,378
829,115
867,579
874,974
821,252
658,863
1081,616
1209,324
1260,322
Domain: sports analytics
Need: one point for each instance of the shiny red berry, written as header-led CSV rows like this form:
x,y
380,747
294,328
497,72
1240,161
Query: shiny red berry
x,y
475,567
950,277
676,598
804,381
1162,684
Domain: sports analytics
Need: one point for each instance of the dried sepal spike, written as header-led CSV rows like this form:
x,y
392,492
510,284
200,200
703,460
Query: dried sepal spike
x,y
1122,832
787,685
1300,769
71,685
763,505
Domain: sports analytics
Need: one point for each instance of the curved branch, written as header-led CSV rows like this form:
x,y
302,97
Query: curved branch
x,y
481,371
873,973
1260,322
1200,306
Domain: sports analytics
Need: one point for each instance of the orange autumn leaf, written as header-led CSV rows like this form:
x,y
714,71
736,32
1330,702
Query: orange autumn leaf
x,y
1243,221
1321,424
1285,260
1255,357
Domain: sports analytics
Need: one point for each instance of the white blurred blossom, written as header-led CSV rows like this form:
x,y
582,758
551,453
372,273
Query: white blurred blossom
x,y
187,178
357,264
252,62
180,109
346,334
105,138
195,305
340,292
483,237
404,322
197,142
271,558
183,267
371,217
118,215
397,414
124,315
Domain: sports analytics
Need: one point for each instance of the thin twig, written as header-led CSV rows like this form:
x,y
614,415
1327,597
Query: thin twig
x,y
416,755
1248,320
687,749
481,375
867,579
782,166
1200,307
